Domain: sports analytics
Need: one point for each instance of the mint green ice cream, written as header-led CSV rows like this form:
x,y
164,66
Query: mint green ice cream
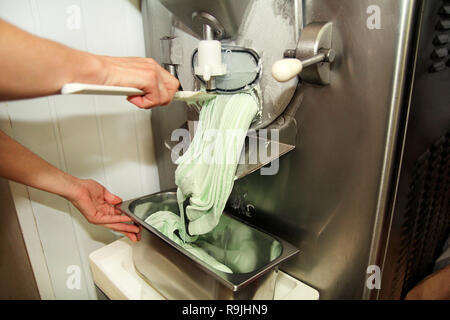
x,y
205,173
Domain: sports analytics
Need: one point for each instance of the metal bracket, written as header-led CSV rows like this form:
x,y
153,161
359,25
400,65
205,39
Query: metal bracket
x,y
314,49
211,27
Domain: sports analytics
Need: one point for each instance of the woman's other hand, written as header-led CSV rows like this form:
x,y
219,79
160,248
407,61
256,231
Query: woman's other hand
x,y
98,207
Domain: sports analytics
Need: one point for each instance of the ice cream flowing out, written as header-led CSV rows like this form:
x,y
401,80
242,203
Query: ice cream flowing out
x,y
205,172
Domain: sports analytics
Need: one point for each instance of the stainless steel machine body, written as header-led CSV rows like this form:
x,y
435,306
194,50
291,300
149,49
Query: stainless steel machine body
x,y
420,206
333,195
245,32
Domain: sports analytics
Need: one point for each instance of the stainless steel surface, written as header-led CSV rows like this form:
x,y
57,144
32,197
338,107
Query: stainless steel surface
x,y
330,196
210,85
314,50
178,274
289,53
167,60
250,159
327,196
157,23
282,16
427,118
398,103
314,60
255,27
172,69
315,37
166,44
325,55
178,278
211,27
193,14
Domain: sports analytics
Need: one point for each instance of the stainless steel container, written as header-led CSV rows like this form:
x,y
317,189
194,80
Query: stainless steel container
x,y
178,274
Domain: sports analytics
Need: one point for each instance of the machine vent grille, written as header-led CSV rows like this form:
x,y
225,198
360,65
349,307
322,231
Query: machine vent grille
x,y
427,217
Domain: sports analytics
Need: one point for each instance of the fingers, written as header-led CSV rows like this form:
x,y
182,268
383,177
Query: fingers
x,y
123,227
109,219
160,87
139,102
132,236
132,232
139,234
142,73
171,83
154,97
111,198
163,94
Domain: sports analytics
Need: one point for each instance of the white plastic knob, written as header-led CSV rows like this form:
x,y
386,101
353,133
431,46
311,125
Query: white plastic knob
x,y
286,69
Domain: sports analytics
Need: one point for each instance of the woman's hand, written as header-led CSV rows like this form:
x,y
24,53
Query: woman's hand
x,y
141,73
97,205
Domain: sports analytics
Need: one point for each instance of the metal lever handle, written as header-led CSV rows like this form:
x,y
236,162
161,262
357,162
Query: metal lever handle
x,y
286,69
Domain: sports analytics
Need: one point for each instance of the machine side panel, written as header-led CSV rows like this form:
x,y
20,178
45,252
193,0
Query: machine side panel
x,y
329,194
421,215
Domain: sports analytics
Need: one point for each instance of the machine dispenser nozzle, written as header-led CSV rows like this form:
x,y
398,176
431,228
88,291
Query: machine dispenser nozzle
x,y
209,63
210,59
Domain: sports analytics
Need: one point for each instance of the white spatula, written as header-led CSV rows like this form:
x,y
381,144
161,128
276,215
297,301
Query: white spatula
x,y
82,88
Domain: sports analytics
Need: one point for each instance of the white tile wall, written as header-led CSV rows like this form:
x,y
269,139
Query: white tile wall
x,y
104,138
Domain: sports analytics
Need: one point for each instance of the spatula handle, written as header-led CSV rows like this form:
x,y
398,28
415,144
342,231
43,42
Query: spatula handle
x,y
82,88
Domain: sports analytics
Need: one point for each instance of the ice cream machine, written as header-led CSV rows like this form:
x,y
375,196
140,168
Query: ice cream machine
x,y
341,121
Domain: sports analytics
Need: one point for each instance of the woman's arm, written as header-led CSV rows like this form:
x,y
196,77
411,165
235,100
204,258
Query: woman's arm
x,y
19,164
434,287
32,66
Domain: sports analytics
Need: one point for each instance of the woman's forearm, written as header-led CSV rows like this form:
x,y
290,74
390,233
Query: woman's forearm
x,y
32,66
19,164
97,204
